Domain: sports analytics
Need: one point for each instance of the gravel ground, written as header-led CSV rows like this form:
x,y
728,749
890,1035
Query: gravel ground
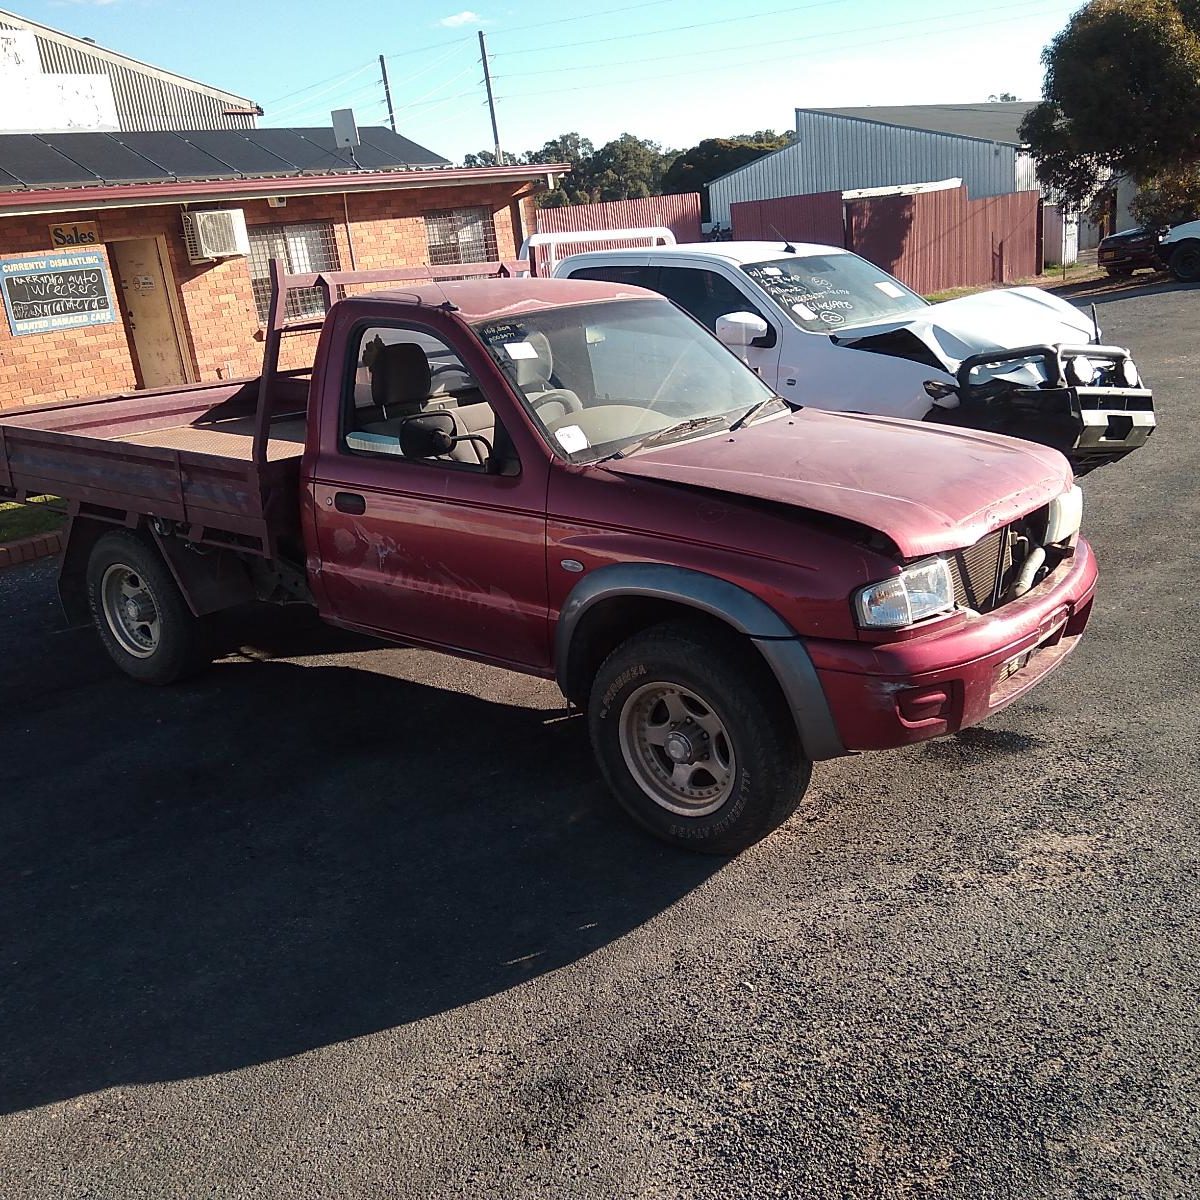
x,y
334,922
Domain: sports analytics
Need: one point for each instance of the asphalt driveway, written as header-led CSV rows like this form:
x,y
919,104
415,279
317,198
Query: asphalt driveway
x,y
342,922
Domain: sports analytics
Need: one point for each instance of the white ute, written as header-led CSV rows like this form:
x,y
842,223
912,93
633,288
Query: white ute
x,y
830,330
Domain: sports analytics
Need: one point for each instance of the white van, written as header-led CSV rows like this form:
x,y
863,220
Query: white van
x,y
828,329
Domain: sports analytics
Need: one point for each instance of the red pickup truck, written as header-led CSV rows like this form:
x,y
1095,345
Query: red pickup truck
x,y
577,481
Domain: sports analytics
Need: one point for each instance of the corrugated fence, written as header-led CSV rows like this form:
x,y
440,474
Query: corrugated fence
x,y
930,241
814,218
937,240
680,214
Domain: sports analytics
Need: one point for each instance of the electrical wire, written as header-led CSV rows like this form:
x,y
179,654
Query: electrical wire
x,y
622,37
306,104
808,37
754,62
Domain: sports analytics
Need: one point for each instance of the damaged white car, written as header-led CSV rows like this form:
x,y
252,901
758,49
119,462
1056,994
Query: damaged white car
x,y
830,330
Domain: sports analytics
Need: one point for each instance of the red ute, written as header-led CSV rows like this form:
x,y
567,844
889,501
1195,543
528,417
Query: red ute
x,y
575,480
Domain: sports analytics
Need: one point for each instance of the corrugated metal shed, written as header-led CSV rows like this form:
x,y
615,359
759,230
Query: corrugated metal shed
x,y
834,152
997,121
147,97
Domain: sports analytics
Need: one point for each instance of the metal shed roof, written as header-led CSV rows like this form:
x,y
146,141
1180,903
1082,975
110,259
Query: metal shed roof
x,y
147,97
74,160
995,122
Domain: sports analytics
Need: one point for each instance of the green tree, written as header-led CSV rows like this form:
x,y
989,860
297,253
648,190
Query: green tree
x,y
1168,199
487,158
695,169
1121,96
569,148
623,169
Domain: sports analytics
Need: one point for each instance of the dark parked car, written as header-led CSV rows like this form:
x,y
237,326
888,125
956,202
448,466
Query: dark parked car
x,y
1129,251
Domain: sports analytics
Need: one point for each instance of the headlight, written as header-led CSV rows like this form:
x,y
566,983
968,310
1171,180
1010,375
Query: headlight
x,y
1066,515
1080,370
1129,375
923,590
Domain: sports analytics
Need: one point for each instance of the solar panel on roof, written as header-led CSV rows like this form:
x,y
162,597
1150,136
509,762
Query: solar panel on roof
x,y
369,157
104,156
399,149
242,155
79,159
175,155
303,152
34,163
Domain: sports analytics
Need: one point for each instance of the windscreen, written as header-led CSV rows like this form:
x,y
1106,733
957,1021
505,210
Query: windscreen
x,y
599,377
825,293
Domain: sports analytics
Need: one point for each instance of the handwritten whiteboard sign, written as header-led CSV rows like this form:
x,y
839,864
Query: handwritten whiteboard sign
x,y
57,291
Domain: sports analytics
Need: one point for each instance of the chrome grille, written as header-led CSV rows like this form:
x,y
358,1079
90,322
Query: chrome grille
x,y
978,569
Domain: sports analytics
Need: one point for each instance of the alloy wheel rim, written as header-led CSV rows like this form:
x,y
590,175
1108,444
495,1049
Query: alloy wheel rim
x,y
130,610
678,749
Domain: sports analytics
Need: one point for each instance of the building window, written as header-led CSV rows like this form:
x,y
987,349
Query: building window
x,y
302,248
460,235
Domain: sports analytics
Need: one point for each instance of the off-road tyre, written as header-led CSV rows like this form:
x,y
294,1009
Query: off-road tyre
x,y
178,646
715,668
1185,261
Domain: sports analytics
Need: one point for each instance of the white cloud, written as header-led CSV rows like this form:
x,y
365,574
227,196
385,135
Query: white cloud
x,y
466,17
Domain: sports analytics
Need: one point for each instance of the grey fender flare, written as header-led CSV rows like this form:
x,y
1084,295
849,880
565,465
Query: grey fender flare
x,y
775,640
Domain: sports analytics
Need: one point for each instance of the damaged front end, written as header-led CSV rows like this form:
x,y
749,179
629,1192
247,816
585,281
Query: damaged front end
x,y
1086,401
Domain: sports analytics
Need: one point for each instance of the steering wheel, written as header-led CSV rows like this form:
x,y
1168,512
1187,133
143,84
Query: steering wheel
x,y
566,400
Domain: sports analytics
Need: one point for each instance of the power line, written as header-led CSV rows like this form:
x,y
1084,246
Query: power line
x,y
600,12
622,37
775,42
305,104
716,69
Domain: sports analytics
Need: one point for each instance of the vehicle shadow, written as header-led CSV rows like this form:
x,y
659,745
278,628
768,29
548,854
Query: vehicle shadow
x,y
1100,292
276,857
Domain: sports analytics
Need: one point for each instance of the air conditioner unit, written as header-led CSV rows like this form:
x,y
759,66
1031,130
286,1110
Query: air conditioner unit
x,y
214,233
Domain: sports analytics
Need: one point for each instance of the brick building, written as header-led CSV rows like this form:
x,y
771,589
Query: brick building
x,y
101,288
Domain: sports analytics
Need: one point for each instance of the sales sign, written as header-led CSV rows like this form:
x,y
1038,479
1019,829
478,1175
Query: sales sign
x,y
57,291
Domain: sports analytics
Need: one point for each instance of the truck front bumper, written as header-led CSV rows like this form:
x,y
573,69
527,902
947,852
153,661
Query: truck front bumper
x,y
893,694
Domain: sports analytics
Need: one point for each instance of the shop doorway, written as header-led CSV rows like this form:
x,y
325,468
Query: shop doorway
x,y
145,290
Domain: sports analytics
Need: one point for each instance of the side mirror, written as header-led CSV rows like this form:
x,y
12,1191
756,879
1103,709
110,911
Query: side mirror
x,y
427,436
742,329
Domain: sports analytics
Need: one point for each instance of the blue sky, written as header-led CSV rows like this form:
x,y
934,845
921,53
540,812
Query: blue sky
x,y
670,70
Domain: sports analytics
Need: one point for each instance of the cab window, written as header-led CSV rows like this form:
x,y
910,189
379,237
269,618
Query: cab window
x,y
409,394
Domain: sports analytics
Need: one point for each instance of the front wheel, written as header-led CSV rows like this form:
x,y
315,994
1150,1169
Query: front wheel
x,y
141,616
1185,262
694,738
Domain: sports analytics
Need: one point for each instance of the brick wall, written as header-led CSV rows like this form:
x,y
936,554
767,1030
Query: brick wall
x,y
220,335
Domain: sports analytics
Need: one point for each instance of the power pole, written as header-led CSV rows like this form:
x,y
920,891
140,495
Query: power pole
x,y
487,81
387,91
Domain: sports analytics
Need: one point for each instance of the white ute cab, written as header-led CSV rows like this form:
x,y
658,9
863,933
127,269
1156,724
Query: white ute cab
x,y
828,329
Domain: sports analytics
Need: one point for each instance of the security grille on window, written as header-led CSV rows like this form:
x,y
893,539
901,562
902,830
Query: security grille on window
x,y
460,235
302,248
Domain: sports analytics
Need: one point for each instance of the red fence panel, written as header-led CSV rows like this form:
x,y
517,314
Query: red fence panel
x,y
937,240
680,214
813,218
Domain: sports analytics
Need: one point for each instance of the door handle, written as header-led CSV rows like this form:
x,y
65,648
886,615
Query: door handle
x,y
350,502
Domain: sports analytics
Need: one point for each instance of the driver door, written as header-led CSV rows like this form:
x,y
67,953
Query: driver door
x,y
448,551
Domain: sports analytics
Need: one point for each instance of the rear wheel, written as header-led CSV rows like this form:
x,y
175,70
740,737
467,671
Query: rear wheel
x,y
141,616
1185,261
694,738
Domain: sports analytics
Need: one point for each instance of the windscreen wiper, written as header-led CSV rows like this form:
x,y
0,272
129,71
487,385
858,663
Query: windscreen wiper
x,y
753,411
663,435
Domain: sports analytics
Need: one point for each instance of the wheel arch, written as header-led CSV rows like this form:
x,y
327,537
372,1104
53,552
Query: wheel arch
x,y
209,582
615,602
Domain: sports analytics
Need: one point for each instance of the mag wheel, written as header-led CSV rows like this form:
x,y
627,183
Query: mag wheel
x,y
694,738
